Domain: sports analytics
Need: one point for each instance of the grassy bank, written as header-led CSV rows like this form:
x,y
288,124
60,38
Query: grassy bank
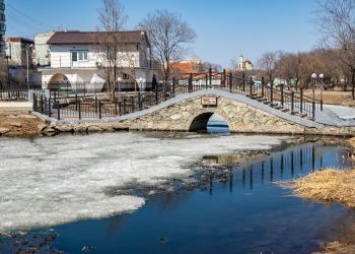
x,y
331,185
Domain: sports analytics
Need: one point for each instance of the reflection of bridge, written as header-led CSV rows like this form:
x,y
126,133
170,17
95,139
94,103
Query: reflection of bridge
x,y
187,103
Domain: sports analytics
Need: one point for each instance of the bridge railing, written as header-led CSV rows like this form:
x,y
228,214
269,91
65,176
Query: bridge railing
x,y
70,105
292,101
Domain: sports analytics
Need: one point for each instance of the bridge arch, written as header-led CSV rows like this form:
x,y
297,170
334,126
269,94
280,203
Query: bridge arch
x,y
202,121
58,80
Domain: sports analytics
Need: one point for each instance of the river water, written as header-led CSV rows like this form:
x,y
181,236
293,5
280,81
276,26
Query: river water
x,y
168,193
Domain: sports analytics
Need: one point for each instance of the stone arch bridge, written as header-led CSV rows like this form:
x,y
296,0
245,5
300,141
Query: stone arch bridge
x,y
191,112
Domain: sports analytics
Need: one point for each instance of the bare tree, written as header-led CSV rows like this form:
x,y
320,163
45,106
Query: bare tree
x,y
168,35
336,19
111,18
289,68
268,63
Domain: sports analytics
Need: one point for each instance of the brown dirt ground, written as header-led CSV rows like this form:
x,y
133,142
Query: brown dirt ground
x,y
19,124
333,97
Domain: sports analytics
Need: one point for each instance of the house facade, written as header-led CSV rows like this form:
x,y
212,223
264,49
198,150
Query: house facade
x,y
42,50
19,51
88,57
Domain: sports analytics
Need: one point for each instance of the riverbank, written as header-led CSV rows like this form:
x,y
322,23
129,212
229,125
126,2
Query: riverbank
x,y
22,124
331,186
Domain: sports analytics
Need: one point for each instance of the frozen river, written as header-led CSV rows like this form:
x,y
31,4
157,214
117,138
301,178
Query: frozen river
x,y
89,189
50,181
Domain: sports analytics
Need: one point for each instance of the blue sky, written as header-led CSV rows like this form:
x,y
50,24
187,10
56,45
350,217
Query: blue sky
x,y
225,29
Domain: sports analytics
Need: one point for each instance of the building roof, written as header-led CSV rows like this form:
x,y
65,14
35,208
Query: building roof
x,y
77,37
19,39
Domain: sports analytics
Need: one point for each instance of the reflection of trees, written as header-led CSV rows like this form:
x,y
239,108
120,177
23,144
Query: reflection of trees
x,y
115,224
170,200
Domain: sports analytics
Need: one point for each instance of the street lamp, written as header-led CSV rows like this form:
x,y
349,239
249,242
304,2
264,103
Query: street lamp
x,y
314,81
28,66
315,78
119,79
140,86
321,77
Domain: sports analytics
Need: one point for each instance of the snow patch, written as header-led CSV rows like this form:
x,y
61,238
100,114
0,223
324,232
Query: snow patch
x,y
50,181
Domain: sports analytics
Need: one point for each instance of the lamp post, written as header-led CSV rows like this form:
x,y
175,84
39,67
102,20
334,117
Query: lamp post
x,y
119,79
321,77
140,86
315,79
28,66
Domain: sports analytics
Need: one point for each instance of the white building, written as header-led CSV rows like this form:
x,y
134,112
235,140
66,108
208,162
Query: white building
x,y
19,50
42,50
82,57
244,65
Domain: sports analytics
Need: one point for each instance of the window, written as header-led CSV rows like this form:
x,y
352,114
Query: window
x,y
79,56
125,76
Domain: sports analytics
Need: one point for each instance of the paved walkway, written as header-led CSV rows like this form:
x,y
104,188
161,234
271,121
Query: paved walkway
x,y
340,116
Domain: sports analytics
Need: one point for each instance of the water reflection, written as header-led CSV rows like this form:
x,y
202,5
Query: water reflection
x,y
289,164
234,208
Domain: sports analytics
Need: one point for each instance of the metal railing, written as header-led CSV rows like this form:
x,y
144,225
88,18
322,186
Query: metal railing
x,y
81,103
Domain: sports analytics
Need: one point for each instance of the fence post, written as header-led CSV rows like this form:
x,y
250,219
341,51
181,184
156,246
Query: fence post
x,y
79,107
292,101
210,73
132,104
120,108
224,77
41,101
190,83
301,100
251,86
206,80
34,106
262,87
124,105
116,107
49,107
313,110
271,93
174,85
95,104
243,75
100,109
58,102
76,101
157,93
282,95
230,82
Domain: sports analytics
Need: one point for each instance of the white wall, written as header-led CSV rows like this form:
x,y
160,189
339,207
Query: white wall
x,y
42,50
128,58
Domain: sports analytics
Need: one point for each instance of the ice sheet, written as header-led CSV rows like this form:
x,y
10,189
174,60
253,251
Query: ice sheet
x,y
50,181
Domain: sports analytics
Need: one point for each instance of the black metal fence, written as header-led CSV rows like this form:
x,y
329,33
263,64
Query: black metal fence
x,y
83,103
13,92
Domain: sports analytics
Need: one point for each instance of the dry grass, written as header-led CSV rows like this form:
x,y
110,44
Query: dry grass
x,y
328,186
331,185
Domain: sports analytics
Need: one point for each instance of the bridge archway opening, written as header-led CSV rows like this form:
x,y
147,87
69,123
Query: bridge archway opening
x,y
59,80
209,123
